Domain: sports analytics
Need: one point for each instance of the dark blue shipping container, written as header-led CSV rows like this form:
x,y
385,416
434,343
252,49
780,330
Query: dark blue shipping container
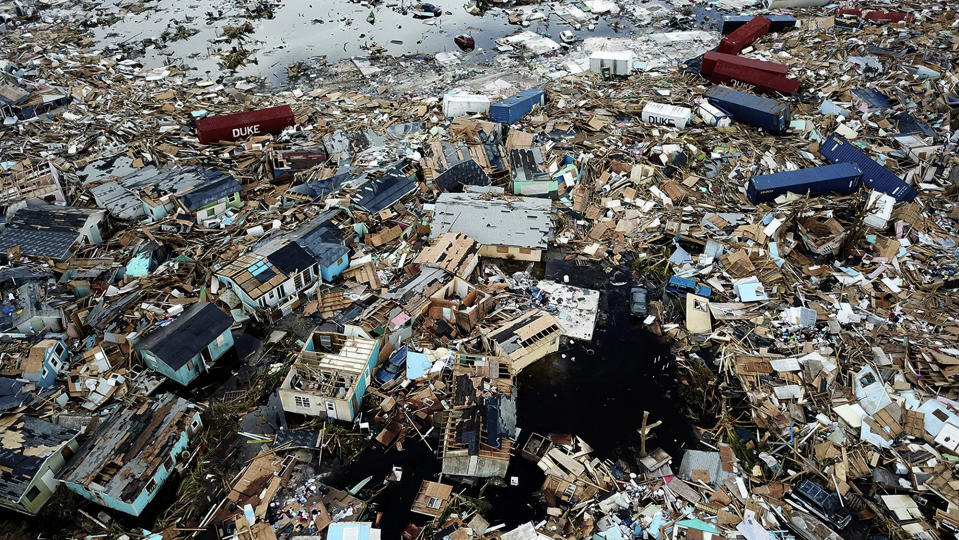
x,y
780,23
838,150
841,178
769,114
515,107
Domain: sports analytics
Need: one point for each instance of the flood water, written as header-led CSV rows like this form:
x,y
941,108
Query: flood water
x,y
306,30
598,392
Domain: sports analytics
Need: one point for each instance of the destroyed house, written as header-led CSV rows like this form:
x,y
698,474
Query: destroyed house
x,y
481,147
19,102
526,339
460,303
514,228
273,277
218,193
286,163
323,240
52,231
32,454
189,345
133,452
32,182
315,190
480,427
46,360
330,376
528,164
465,173
35,314
432,498
153,194
384,191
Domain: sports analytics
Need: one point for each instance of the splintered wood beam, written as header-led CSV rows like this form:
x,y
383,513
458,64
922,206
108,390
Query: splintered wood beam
x,y
644,432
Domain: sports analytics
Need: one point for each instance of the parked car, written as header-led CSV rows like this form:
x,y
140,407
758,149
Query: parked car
x,y
393,367
637,302
825,503
683,285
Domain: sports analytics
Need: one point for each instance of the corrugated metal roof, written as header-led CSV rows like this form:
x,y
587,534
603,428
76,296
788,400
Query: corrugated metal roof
x,y
517,221
836,149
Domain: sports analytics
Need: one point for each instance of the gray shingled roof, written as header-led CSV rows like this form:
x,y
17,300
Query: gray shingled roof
x,y
195,184
383,192
45,230
19,466
179,341
216,186
39,243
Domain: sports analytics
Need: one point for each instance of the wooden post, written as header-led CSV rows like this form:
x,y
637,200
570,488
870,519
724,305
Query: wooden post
x,y
644,432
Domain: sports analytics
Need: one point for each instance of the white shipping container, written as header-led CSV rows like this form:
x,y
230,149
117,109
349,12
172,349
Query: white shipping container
x,y
460,104
618,62
712,116
666,115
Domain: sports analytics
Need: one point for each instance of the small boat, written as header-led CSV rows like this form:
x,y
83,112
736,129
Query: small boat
x,y
465,42
427,11
567,36
371,18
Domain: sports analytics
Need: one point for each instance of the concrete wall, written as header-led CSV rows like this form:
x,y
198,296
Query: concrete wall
x,y
462,464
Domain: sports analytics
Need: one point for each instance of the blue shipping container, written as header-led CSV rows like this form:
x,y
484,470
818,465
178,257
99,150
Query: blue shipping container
x,y
769,114
516,107
780,23
683,285
841,178
838,150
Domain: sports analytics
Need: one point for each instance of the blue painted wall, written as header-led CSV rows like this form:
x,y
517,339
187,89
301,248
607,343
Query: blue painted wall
x,y
136,506
185,375
52,371
362,383
329,273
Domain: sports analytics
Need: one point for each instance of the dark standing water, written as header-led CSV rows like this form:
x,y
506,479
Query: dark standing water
x,y
598,392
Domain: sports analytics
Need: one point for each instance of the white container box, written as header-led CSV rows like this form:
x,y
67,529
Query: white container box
x,y
712,116
666,115
618,62
460,104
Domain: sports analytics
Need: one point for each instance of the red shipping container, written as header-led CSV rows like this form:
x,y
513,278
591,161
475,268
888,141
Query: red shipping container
x,y
745,35
848,12
886,16
233,127
762,81
874,14
709,62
